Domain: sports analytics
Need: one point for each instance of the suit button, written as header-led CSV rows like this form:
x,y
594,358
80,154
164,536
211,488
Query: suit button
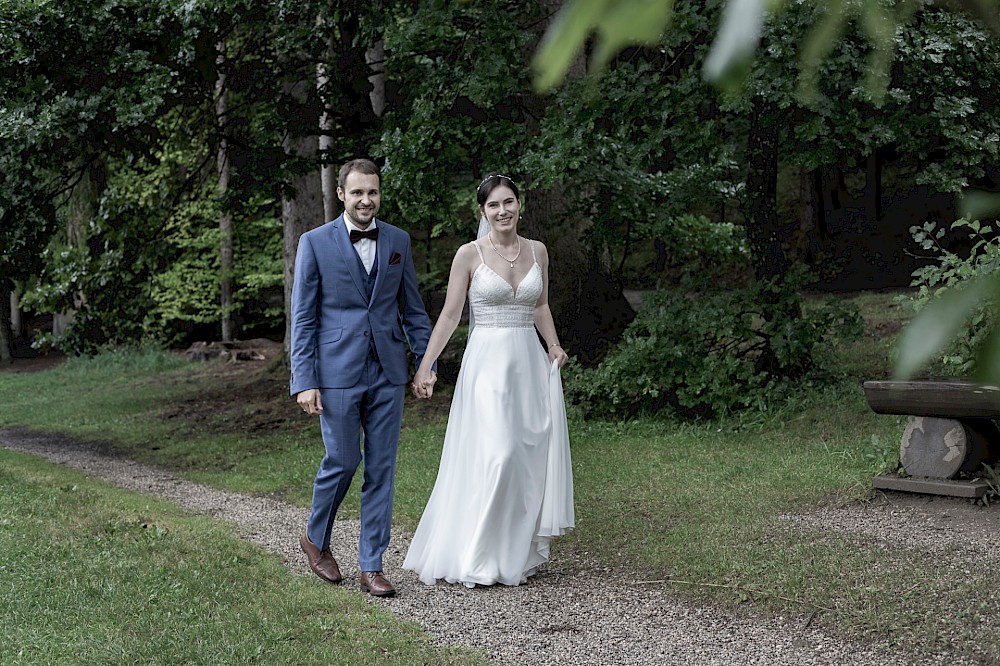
x,y
366,334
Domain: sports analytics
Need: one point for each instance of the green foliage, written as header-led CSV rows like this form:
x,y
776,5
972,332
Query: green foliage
x,y
940,105
992,477
642,154
937,113
709,353
61,117
951,272
148,267
644,149
105,277
736,41
695,238
629,156
186,292
137,100
259,270
458,113
23,228
120,362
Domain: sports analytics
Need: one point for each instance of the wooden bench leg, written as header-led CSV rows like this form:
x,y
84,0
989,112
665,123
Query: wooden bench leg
x,y
941,448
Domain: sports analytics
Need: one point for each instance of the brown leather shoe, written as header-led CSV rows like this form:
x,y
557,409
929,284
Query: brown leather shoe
x,y
320,561
376,584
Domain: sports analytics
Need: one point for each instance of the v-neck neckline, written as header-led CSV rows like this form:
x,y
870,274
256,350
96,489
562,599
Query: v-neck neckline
x,y
513,289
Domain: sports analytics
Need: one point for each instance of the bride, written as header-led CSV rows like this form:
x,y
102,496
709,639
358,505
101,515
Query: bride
x,y
505,485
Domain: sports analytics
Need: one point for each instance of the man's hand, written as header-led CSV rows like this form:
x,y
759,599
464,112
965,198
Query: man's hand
x,y
423,384
309,401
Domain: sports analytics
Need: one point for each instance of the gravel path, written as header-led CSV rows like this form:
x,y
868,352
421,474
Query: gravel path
x,y
583,616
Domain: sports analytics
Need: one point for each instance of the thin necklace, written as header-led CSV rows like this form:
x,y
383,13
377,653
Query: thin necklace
x,y
509,261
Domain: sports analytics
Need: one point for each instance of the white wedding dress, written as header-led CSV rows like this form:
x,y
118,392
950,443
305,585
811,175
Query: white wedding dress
x,y
505,485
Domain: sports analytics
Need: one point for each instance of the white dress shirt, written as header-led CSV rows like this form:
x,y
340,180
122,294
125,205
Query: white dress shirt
x,y
364,247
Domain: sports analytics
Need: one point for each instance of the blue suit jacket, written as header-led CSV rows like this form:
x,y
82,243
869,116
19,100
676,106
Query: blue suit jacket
x,y
332,320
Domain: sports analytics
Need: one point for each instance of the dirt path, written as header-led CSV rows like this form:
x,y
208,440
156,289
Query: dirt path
x,y
573,613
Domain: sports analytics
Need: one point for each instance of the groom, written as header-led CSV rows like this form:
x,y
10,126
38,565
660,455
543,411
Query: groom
x,y
355,294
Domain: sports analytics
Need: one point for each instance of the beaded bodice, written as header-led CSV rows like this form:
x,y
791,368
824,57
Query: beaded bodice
x,y
496,304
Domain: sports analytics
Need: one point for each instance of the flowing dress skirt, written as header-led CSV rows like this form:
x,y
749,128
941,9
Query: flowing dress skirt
x,y
505,485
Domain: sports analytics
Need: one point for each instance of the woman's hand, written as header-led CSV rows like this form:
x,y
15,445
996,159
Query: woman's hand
x,y
557,354
423,383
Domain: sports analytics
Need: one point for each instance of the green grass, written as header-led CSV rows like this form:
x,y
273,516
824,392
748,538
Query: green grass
x,y
95,575
699,502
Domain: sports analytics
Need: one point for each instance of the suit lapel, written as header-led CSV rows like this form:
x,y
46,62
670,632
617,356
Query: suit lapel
x,y
349,256
382,247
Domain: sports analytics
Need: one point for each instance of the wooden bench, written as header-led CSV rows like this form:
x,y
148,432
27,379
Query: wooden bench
x,y
951,431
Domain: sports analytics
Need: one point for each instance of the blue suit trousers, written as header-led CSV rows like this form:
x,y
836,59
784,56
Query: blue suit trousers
x,y
359,423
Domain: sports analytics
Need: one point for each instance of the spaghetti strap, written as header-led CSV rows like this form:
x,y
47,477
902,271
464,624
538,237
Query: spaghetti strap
x,y
480,251
533,257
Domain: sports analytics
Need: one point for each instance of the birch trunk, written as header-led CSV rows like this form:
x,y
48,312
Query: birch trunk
x,y
6,335
225,216
328,171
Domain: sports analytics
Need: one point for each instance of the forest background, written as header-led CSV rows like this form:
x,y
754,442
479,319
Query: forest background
x,y
160,160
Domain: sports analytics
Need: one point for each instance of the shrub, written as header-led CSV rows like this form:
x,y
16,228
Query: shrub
x,y
951,271
695,238
703,354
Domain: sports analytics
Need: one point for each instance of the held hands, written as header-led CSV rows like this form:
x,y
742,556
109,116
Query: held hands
x,y
557,354
423,383
309,401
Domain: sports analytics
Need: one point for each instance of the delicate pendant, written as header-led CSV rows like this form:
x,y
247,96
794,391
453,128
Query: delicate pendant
x,y
509,261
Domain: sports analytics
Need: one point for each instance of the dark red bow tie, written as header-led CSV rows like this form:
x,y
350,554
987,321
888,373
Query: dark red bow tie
x,y
358,235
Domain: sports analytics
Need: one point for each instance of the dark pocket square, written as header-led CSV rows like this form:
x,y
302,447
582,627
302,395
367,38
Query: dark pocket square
x,y
394,258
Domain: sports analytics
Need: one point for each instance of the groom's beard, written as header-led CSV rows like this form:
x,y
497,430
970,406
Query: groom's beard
x,y
358,223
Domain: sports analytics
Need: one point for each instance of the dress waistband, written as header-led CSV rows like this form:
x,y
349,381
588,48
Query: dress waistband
x,y
505,316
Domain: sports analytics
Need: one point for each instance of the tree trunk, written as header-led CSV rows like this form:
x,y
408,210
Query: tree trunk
x,y
80,211
346,71
375,57
329,171
941,448
873,172
834,188
16,325
819,203
299,213
6,335
762,229
225,216
808,210
302,208
811,224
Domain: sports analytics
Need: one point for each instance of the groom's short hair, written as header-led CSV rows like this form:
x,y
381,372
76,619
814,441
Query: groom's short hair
x,y
361,166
